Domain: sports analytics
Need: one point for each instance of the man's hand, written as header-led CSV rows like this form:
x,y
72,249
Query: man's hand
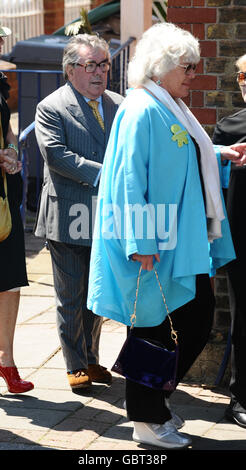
x,y
236,153
146,260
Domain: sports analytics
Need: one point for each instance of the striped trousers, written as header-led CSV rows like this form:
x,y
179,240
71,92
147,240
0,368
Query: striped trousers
x,y
78,328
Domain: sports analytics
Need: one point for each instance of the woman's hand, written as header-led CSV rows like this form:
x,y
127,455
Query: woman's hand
x,y
9,162
146,260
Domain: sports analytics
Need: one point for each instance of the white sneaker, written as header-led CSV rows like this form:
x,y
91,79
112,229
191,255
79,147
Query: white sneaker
x,y
176,420
161,435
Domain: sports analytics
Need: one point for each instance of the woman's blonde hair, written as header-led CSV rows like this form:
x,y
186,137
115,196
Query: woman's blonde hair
x,y
160,50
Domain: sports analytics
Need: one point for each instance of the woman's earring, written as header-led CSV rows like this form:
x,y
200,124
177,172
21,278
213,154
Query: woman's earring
x,y
158,82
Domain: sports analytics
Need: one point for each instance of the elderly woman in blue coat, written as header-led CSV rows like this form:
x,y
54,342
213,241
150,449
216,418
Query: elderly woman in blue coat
x,y
160,205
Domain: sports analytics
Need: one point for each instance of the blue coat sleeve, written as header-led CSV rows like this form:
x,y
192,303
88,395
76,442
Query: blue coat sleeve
x,y
221,250
224,169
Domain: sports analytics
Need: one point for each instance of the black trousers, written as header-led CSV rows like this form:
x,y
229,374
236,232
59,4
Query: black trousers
x,y
236,208
193,322
236,286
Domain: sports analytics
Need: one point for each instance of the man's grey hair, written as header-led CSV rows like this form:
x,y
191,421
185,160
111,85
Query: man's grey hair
x,y
71,56
160,50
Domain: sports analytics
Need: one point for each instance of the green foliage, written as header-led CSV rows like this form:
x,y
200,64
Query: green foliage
x,y
160,9
81,26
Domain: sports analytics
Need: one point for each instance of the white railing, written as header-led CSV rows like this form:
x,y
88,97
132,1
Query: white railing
x,y
23,17
26,17
72,9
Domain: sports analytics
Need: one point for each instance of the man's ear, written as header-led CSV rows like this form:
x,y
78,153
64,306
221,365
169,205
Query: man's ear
x,y
70,72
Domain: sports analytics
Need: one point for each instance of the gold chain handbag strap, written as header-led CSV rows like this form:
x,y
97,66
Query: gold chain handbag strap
x,y
174,334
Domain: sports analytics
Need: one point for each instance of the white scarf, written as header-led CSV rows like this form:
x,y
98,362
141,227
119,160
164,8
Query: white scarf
x,y
209,164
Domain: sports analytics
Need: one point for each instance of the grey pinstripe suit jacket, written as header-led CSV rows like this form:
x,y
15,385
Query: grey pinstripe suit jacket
x,y
73,145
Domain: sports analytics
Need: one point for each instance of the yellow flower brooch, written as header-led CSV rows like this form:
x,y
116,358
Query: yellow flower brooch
x,y
179,136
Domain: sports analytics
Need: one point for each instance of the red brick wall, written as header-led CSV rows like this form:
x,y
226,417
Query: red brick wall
x,y
194,15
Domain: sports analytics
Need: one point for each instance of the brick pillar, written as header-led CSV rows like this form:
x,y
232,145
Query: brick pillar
x,y
53,15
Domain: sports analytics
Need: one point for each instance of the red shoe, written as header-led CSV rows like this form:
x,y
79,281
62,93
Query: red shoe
x,y
13,381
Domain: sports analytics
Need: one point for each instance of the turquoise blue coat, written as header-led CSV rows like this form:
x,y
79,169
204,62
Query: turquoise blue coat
x,y
152,167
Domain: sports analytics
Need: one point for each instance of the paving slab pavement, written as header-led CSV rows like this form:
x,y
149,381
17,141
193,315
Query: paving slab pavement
x,y
51,417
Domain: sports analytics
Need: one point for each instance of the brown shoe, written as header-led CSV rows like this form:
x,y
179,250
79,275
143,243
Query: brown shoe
x,y
99,374
79,379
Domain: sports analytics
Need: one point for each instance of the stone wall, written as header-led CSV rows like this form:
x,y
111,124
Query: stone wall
x,y
220,26
229,34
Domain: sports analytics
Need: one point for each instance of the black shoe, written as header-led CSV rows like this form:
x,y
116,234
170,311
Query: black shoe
x,y
237,417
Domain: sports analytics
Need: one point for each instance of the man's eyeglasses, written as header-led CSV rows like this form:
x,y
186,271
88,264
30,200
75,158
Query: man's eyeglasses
x,y
188,68
91,67
241,77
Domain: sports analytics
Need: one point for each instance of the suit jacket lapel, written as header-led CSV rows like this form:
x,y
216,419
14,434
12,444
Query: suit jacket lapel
x,y
82,112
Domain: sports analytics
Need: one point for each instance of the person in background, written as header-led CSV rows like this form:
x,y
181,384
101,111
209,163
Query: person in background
x,y
231,130
72,129
160,205
12,250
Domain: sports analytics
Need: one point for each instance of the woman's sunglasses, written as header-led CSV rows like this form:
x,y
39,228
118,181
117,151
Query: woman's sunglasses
x,y
188,68
241,77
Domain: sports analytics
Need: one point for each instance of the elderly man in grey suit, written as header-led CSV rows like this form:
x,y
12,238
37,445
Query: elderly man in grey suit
x,y
72,130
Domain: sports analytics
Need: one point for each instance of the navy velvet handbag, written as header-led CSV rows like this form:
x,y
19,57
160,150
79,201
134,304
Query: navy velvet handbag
x,y
148,362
